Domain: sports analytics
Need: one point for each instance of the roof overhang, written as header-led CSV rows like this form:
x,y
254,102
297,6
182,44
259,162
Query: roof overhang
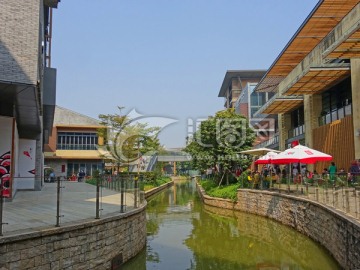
x,y
64,126
315,80
349,48
74,154
284,105
51,3
24,98
322,19
281,104
241,75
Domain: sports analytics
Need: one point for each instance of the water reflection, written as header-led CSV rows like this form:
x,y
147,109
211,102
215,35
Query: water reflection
x,y
185,234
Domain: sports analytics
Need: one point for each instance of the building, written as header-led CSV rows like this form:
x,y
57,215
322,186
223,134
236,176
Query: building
x,y
235,81
27,92
316,83
238,90
74,144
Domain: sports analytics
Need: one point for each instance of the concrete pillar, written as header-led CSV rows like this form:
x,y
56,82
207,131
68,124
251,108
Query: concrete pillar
x,y
312,110
355,88
39,163
284,120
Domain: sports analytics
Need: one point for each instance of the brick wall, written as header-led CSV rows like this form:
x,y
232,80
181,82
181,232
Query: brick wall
x,y
19,40
90,245
339,234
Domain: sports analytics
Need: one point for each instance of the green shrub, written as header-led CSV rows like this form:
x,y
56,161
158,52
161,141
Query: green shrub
x,y
91,181
208,184
225,192
244,181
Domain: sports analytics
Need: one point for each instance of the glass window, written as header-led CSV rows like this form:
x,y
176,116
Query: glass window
x,y
70,169
67,140
76,168
337,97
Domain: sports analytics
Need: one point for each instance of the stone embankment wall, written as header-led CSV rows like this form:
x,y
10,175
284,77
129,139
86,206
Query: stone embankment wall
x,y
154,191
94,244
339,234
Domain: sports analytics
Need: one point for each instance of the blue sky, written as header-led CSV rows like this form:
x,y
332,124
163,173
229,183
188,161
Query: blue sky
x,y
164,58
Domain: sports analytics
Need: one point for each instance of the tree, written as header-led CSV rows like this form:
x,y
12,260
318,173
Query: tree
x,y
126,139
218,142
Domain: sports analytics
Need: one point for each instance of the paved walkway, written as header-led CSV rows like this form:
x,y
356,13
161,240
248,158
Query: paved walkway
x,y
36,210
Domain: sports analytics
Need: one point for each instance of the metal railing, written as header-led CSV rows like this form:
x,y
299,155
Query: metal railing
x,y
340,192
65,202
270,141
296,131
335,115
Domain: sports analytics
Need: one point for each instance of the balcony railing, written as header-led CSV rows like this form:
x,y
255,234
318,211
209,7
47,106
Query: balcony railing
x,y
296,131
335,115
270,141
76,147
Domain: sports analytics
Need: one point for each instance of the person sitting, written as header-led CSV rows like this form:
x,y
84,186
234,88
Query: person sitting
x,y
309,177
298,178
325,173
342,172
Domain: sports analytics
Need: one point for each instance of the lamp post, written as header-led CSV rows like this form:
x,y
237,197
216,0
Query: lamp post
x,y
136,184
122,207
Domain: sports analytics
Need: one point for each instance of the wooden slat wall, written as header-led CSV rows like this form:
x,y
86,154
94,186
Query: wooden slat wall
x,y
336,139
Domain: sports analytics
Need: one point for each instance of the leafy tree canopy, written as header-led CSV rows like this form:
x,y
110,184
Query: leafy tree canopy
x,y
127,138
218,142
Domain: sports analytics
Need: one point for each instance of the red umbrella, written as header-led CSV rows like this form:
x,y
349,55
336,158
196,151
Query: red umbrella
x,y
266,159
300,154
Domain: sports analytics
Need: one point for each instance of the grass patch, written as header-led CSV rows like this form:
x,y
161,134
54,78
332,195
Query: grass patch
x,y
225,192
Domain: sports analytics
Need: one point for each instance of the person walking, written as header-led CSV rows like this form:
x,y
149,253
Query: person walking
x,y
81,176
332,173
52,177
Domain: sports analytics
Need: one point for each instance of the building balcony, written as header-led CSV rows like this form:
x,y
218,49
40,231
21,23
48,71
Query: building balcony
x,y
280,104
335,115
272,142
295,132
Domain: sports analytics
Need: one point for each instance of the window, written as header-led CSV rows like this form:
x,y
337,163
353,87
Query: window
x,y
297,117
77,141
336,97
257,100
87,167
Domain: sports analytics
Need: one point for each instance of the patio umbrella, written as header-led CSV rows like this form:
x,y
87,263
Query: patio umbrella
x,y
258,151
300,154
266,159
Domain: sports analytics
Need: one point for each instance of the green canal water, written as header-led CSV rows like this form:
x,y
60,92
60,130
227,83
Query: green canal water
x,y
185,234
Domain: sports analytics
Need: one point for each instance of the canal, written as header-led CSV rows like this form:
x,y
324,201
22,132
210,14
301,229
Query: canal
x,y
185,234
